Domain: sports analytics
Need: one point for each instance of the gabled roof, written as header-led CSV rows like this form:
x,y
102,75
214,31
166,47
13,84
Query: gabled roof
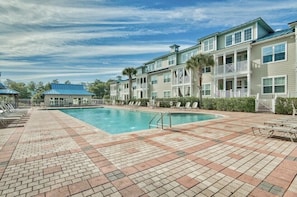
x,y
7,91
258,20
275,34
67,89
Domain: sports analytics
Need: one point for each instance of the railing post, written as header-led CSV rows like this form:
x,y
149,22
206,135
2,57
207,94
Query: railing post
x,y
162,120
169,115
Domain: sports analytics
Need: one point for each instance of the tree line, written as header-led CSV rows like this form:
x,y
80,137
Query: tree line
x,y
34,90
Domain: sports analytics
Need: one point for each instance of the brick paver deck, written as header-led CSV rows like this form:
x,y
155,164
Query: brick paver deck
x,y
57,155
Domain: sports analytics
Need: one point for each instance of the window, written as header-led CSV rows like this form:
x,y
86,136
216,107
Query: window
x,y
274,53
158,64
171,60
273,85
166,78
167,94
154,95
237,37
154,80
229,40
247,34
186,56
208,44
206,89
206,69
150,67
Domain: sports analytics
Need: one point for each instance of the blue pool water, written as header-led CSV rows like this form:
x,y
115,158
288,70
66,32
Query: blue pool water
x,y
116,121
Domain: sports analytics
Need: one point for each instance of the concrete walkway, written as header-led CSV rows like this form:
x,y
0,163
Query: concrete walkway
x,y
57,155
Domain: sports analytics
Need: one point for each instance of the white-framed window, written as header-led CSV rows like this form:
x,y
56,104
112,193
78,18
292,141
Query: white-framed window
x,y
154,80
167,77
208,44
206,69
206,89
187,55
239,37
248,34
274,53
274,85
167,94
171,60
150,67
154,95
229,40
158,64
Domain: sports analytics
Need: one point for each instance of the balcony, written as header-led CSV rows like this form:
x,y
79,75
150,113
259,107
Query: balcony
x,y
141,86
113,92
242,92
231,68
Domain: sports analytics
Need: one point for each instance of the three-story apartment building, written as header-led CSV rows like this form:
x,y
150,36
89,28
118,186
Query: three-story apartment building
x,y
250,59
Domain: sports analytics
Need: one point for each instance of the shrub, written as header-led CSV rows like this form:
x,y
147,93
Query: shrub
x,y
284,105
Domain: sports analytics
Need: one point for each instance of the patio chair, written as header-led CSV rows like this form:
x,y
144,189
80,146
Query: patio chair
x,y
6,112
6,120
188,105
194,105
286,128
178,105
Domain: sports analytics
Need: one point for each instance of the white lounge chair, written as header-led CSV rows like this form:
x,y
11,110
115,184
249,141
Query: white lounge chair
x,y
194,105
188,105
269,129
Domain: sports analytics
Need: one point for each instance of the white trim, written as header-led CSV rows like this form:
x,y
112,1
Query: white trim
x,y
203,89
242,35
273,78
273,46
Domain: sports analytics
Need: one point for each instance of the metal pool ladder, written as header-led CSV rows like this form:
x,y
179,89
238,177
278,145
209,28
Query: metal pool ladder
x,y
158,120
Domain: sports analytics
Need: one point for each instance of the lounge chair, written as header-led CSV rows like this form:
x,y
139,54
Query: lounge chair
x,y
188,105
6,120
289,129
194,105
178,105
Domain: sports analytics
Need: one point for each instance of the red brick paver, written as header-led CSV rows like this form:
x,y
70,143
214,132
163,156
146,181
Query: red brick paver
x,y
57,155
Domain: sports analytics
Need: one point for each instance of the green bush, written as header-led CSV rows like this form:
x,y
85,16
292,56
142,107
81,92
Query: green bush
x,y
244,104
284,105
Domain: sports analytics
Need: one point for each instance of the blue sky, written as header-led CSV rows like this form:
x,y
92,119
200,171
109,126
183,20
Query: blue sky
x,y
85,40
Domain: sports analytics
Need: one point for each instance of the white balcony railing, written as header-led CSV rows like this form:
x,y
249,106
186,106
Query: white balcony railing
x,y
230,93
231,68
143,85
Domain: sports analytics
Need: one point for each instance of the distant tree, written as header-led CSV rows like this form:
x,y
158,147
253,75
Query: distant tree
x,y
196,64
55,81
19,87
67,82
130,72
40,89
31,86
99,88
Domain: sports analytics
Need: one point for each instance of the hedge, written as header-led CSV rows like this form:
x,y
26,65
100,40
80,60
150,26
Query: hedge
x,y
284,105
244,104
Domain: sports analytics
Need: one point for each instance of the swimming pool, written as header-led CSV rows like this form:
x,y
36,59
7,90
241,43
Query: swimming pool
x,y
116,121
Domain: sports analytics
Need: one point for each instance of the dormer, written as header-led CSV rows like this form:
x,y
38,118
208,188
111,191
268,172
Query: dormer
x,y
208,43
246,32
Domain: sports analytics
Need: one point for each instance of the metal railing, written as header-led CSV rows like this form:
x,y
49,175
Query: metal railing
x,y
158,120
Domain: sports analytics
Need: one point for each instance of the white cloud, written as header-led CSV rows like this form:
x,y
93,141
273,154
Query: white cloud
x,y
62,31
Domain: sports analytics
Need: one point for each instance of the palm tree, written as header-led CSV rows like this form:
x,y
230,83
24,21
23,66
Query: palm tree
x,y
130,72
196,64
